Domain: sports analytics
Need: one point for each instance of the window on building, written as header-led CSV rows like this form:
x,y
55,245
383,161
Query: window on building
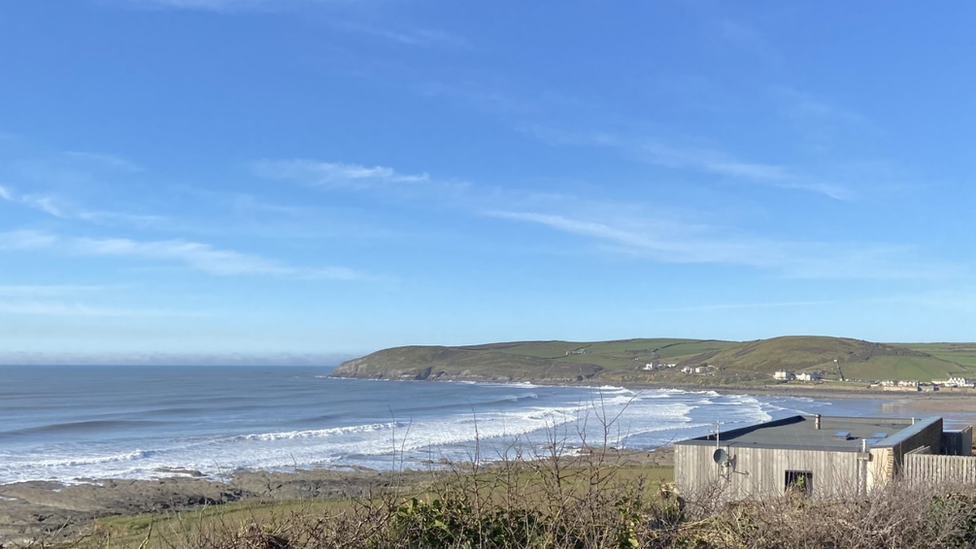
x,y
800,482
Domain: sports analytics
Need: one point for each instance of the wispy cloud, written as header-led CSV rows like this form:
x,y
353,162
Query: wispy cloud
x,y
209,5
195,255
62,208
409,37
336,175
62,300
742,306
677,243
700,160
725,165
825,126
112,161
47,204
804,105
48,290
26,240
68,309
958,300
627,237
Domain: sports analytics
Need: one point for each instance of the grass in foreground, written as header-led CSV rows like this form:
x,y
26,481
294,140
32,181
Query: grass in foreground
x,y
537,505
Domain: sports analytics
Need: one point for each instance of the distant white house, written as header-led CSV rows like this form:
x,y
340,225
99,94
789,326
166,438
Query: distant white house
x,y
808,376
650,366
961,382
702,369
784,375
688,370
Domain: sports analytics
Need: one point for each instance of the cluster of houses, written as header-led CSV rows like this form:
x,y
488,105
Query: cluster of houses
x,y
651,366
786,375
911,385
960,382
823,457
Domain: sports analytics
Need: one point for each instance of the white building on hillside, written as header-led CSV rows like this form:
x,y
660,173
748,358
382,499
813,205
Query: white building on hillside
x,y
960,382
784,375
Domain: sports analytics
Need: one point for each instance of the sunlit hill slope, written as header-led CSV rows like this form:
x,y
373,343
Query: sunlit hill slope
x,y
629,360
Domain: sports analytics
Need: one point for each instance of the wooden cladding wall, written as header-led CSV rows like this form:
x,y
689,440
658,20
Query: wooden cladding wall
x,y
757,472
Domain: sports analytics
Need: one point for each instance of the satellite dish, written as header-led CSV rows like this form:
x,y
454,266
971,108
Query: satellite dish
x,y
720,457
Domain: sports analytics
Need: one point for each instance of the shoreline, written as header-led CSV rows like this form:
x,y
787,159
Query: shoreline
x,y
53,512
57,511
937,402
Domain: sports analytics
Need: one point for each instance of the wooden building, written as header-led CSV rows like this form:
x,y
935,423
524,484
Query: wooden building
x,y
817,455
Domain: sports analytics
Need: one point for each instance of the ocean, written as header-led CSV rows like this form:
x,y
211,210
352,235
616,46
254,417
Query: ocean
x,y
74,424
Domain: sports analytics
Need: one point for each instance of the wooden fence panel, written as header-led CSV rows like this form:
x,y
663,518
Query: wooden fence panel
x,y
938,469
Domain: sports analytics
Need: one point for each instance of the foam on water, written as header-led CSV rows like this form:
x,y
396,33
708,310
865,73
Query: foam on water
x,y
278,419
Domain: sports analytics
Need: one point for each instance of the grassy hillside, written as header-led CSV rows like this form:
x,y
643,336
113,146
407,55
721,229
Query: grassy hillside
x,y
855,359
960,353
624,360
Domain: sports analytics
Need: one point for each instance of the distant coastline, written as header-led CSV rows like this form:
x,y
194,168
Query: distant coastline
x,y
843,364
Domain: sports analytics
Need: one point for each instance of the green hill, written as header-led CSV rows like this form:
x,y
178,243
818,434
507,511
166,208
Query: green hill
x,y
628,360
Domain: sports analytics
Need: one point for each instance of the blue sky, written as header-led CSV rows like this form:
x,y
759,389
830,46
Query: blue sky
x,y
338,176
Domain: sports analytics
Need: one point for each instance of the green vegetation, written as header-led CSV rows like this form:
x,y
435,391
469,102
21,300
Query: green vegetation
x,y
592,498
735,363
548,504
960,353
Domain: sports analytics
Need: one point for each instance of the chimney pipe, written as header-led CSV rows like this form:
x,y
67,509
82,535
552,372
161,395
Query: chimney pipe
x,y
816,422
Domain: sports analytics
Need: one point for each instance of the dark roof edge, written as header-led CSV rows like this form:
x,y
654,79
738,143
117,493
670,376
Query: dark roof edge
x,y
892,440
899,437
746,430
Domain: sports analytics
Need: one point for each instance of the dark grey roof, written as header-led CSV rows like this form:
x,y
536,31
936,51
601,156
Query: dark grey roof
x,y
800,433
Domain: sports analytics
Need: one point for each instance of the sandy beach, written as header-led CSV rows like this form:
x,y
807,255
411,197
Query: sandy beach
x,y
956,401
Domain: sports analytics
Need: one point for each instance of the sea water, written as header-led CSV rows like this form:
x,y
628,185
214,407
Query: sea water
x,y
72,424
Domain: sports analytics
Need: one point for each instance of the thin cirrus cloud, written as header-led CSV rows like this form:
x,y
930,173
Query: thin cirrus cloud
x,y
195,255
419,37
111,161
33,291
61,300
704,161
409,37
334,174
61,208
209,5
724,165
670,243
63,309
674,243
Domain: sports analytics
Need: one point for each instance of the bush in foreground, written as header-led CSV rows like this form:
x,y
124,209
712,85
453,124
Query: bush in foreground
x,y
592,504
